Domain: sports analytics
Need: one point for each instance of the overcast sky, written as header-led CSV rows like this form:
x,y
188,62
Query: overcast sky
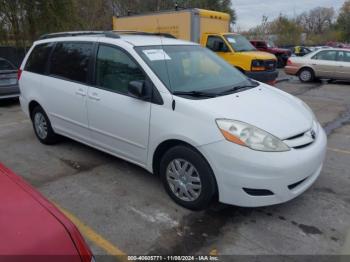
x,y
250,12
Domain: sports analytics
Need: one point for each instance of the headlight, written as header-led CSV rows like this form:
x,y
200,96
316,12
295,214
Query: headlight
x,y
247,135
258,65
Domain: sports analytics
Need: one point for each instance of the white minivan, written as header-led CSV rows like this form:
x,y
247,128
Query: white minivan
x,y
177,110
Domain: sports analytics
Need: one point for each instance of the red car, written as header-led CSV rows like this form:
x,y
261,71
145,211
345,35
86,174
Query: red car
x,y
33,229
281,54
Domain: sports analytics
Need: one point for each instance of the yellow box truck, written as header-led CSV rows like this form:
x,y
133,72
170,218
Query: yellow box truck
x,y
211,30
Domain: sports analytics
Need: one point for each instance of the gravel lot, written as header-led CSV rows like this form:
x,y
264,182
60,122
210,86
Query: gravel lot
x,y
128,208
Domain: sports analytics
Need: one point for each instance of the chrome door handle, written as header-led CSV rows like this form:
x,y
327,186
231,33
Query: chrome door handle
x,y
80,92
94,96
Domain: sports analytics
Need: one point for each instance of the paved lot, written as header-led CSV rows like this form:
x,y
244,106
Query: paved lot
x,y
123,209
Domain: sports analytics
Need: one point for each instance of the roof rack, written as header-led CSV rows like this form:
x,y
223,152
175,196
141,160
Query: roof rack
x,y
111,34
143,33
79,33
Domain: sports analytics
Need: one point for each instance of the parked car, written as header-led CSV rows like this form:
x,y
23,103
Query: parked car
x,y
327,63
301,50
8,80
176,109
33,229
281,53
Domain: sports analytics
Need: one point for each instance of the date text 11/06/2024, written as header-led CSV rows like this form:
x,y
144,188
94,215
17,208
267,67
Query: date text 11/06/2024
x,y
173,258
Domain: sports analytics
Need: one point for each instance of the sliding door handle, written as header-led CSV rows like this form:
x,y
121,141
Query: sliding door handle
x,y
94,96
80,92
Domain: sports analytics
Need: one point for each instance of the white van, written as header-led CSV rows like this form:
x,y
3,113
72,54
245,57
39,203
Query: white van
x,y
177,110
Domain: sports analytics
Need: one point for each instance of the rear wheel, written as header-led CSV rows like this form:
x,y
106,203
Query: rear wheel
x,y
187,178
42,127
306,75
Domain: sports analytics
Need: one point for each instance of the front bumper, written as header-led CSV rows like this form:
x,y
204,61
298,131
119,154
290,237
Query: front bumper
x,y
263,76
236,167
10,91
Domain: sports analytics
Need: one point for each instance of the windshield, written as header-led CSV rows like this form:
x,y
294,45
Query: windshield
x,y
191,68
4,65
239,43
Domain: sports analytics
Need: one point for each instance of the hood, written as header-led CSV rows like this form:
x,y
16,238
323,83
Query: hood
x,y
265,107
258,55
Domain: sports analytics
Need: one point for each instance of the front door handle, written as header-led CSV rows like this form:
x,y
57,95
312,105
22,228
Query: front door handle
x,y
94,96
80,92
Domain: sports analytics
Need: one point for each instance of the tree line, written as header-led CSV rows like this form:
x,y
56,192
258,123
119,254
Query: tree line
x,y
315,27
23,21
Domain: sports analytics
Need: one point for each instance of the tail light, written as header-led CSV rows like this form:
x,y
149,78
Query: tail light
x,y
289,62
19,73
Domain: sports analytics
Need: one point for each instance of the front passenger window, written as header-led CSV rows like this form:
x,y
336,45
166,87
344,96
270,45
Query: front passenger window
x,y
115,69
216,44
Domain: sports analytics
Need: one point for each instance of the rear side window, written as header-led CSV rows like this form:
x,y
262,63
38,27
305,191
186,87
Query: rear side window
x,y
344,56
37,60
70,60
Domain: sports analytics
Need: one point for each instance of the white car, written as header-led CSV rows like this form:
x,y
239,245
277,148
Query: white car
x,y
177,110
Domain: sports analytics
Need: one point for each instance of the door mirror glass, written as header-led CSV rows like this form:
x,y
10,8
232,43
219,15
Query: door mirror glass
x,y
138,89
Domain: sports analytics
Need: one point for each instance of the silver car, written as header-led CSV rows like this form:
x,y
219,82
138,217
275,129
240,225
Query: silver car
x,y
8,80
332,63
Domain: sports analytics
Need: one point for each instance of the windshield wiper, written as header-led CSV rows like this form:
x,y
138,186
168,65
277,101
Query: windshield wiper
x,y
194,93
239,87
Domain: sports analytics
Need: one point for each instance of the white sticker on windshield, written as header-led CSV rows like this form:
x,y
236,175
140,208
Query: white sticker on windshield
x,y
231,40
156,54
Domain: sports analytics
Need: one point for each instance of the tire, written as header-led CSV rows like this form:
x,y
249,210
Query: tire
x,y
42,127
193,189
306,75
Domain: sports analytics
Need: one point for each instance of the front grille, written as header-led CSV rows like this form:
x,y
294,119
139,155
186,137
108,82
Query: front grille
x,y
301,140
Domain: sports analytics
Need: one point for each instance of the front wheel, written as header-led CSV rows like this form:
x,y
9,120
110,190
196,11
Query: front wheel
x,y
187,178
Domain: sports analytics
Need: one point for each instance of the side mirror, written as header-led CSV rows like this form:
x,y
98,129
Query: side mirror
x,y
138,89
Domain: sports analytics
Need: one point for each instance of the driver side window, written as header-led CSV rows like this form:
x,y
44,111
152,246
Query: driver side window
x,y
216,44
115,69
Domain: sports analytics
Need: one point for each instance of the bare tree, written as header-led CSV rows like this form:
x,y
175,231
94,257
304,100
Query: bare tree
x,y
317,20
